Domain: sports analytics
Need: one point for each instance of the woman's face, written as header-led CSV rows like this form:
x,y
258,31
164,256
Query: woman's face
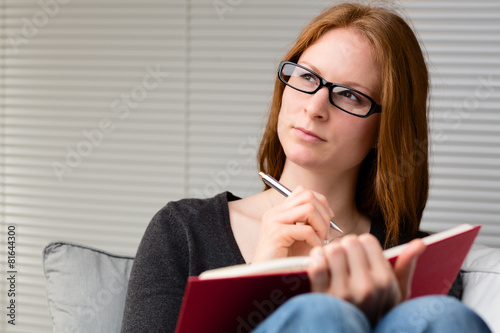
x,y
314,133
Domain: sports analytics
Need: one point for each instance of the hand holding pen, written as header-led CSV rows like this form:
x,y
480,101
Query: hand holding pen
x,y
286,192
294,226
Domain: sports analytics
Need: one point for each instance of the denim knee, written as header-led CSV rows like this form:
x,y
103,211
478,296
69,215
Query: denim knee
x,y
432,314
318,304
313,312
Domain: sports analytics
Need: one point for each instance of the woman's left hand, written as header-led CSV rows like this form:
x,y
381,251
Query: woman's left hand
x,y
355,269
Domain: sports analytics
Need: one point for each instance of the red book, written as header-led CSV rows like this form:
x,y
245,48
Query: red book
x,y
237,298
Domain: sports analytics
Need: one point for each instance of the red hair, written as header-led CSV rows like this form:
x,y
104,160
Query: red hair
x,y
393,180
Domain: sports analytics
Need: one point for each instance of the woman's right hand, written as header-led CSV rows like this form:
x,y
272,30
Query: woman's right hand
x,y
355,270
294,227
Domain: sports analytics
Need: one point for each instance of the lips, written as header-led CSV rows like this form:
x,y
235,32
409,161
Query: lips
x,y
307,135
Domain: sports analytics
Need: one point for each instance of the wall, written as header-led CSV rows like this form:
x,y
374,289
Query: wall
x,y
109,109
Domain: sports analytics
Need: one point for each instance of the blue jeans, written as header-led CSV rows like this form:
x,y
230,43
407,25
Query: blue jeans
x,y
315,312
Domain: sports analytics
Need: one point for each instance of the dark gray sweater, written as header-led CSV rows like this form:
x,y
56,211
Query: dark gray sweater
x,y
184,239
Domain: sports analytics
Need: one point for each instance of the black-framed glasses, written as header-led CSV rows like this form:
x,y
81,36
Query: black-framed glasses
x,y
345,98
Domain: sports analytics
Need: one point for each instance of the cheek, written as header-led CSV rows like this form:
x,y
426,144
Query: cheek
x,y
282,123
367,133
291,101
355,136
287,111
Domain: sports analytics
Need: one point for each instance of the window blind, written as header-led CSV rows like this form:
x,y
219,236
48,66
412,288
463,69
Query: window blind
x,y
109,109
463,44
94,128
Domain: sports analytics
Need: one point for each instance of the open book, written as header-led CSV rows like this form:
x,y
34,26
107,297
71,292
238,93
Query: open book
x,y
237,298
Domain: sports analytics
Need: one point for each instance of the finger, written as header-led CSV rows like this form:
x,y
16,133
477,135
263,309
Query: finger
x,y
305,213
326,210
293,214
360,283
301,195
318,271
301,233
405,264
339,271
278,240
374,253
356,256
383,278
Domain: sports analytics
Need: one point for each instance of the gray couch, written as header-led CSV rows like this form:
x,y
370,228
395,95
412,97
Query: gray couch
x,y
86,287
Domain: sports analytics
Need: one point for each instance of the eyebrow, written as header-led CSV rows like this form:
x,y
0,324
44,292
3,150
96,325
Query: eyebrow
x,y
350,84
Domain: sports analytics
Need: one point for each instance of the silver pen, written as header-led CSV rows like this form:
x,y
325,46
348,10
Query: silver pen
x,y
286,192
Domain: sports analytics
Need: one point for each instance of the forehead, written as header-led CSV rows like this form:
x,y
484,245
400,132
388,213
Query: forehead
x,y
344,56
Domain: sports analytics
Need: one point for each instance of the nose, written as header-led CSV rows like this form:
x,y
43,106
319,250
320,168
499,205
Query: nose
x,y
318,104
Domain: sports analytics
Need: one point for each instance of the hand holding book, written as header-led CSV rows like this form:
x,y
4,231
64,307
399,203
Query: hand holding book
x,y
223,299
356,270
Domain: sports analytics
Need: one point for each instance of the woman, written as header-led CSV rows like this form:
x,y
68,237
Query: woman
x,y
347,132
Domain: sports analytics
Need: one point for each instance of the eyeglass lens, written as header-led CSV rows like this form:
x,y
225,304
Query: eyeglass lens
x,y
342,97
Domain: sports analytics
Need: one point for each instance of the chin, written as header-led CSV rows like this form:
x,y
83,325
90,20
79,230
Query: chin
x,y
305,159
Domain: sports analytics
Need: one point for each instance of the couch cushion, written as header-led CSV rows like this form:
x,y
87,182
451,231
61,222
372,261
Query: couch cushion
x,y
86,288
481,278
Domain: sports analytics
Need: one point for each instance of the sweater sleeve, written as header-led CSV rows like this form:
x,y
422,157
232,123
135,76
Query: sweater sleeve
x,y
158,277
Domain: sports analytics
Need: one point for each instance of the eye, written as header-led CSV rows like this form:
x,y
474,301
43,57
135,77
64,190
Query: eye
x,y
309,77
344,95
350,95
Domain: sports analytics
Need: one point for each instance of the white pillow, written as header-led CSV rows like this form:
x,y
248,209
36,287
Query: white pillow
x,y
86,288
481,282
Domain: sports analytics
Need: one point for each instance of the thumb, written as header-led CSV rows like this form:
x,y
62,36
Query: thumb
x,y
405,264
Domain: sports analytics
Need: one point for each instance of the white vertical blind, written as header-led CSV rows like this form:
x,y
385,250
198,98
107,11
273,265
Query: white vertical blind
x,y
109,109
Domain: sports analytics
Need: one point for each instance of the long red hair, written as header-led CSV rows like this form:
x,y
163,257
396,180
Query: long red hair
x,y
393,180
